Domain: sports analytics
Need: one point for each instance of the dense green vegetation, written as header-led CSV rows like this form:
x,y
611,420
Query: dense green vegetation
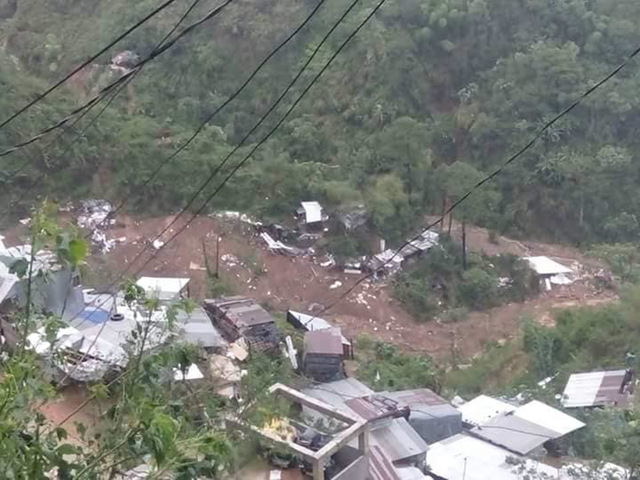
x,y
439,281
431,95
383,367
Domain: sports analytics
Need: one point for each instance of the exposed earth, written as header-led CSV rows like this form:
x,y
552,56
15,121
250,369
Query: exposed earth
x,y
281,282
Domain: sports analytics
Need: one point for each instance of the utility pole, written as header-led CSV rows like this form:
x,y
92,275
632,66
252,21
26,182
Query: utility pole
x,y
464,245
218,256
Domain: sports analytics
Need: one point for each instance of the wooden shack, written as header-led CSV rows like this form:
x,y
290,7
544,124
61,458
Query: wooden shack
x,y
241,317
323,355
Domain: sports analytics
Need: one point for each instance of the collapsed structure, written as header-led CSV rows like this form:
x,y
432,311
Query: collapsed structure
x,y
241,317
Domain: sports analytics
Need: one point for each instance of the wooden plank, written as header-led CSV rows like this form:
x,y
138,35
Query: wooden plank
x,y
342,439
280,389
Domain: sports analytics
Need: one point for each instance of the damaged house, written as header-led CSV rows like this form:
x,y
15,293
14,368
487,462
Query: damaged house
x,y
240,317
311,215
323,355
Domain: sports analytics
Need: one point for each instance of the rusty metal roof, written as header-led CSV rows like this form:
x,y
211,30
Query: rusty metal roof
x,y
375,407
241,311
596,389
323,342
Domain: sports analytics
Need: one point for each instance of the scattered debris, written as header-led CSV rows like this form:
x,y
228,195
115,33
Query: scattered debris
x,y
278,247
93,216
336,284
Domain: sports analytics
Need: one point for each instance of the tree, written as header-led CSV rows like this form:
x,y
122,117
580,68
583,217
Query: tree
x,y
389,206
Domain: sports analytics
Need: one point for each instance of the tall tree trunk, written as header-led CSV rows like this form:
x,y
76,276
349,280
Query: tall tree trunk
x,y
464,245
581,214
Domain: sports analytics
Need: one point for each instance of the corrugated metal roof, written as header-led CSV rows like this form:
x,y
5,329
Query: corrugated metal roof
x,y
337,393
417,397
546,266
399,440
426,241
323,342
197,329
164,288
312,211
380,467
463,457
374,407
312,323
514,433
548,417
595,389
412,473
242,311
482,409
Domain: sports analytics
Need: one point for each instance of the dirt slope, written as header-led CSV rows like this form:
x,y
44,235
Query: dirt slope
x,y
298,283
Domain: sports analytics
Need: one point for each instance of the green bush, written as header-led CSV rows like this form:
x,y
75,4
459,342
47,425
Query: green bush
x,y
478,289
413,294
391,370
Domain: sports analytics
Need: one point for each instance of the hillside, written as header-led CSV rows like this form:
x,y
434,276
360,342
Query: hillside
x,y
428,97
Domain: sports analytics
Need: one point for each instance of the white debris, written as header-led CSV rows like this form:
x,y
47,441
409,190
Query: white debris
x,y
336,284
25,221
561,279
93,216
279,247
158,244
94,213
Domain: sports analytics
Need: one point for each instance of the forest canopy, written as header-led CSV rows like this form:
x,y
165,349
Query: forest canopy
x,y
431,95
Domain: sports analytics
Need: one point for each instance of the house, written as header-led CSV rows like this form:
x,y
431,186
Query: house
x,y
482,409
310,323
599,389
419,245
386,419
431,416
354,217
55,289
323,354
464,457
241,317
519,429
76,355
389,262
343,455
549,271
310,215
163,288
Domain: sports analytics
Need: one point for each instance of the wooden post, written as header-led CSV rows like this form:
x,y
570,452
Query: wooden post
x,y
318,469
464,245
218,256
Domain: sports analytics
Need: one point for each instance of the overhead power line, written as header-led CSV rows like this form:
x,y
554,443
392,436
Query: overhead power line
x,y
271,132
121,276
246,158
81,134
91,59
492,175
197,132
105,90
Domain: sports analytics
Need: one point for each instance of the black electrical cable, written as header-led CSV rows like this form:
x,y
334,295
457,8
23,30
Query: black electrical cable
x,y
58,84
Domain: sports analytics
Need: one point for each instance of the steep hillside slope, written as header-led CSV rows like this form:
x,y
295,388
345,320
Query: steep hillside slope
x,y
430,95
